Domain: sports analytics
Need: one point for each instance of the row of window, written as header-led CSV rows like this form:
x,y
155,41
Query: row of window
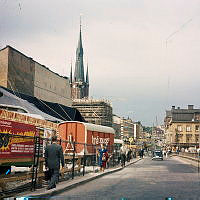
x,y
188,128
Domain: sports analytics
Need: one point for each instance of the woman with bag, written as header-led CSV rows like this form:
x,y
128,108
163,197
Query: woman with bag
x,y
103,157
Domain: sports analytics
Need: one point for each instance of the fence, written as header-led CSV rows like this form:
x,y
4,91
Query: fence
x,y
28,151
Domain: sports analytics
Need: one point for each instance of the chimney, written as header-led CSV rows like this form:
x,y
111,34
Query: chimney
x,y
190,107
173,107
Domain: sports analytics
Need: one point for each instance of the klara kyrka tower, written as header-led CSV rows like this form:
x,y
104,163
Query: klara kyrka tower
x,y
79,83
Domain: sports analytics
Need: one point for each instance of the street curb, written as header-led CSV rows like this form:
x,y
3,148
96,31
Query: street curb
x,y
73,185
188,159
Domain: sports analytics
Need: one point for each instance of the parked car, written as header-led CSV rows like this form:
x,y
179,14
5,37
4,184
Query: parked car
x,y
157,155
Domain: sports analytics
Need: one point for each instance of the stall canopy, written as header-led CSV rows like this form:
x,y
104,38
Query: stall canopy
x,y
48,110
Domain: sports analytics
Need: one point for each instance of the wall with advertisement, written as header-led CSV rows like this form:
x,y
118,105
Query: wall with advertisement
x,y
16,147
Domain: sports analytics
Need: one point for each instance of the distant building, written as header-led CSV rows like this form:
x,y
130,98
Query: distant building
x,y
138,131
117,126
127,128
95,111
79,83
22,74
182,127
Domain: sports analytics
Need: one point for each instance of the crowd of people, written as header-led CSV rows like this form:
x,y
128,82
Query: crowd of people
x,y
55,151
125,155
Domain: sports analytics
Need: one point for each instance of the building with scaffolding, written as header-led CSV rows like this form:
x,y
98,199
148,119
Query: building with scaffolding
x,y
95,111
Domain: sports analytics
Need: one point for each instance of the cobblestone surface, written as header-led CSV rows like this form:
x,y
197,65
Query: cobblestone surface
x,y
146,180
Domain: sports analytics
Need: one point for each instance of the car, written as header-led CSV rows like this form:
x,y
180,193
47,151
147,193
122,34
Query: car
x,y
157,155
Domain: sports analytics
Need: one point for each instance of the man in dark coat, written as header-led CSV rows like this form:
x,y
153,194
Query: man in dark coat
x,y
53,157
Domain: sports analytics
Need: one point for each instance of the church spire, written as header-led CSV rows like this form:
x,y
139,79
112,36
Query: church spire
x,y
79,66
71,74
87,76
80,82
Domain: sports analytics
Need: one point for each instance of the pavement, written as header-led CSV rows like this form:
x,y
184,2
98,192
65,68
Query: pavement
x,y
145,180
67,185
187,160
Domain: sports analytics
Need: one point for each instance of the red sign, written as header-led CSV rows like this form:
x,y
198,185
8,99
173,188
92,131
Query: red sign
x,y
16,147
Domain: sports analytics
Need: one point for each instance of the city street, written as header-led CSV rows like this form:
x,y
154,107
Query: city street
x,y
146,180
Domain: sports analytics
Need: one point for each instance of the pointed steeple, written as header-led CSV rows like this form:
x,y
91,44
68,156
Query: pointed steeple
x,y
87,76
79,66
71,74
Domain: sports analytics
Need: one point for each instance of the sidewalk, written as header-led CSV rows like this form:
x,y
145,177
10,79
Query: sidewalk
x,y
187,160
66,185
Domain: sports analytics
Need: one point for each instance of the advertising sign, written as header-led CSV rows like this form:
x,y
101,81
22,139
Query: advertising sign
x,y
16,147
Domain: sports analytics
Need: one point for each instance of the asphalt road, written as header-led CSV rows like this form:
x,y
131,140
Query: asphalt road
x,y
145,180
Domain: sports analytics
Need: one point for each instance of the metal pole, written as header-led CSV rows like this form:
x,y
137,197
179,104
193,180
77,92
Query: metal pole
x,y
73,161
34,161
37,161
113,155
84,161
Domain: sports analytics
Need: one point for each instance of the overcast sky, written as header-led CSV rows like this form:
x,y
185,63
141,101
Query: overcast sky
x,y
143,55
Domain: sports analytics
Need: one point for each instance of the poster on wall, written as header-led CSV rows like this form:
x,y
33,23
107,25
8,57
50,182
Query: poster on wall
x,y
16,147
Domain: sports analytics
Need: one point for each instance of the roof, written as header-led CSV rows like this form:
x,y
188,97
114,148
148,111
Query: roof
x,y
183,115
94,127
50,111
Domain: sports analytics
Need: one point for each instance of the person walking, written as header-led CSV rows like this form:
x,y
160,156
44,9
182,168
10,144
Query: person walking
x,y
141,153
123,155
53,157
103,157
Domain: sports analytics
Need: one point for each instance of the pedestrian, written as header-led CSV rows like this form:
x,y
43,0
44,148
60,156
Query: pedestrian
x,y
129,155
103,157
123,155
53,157
141,153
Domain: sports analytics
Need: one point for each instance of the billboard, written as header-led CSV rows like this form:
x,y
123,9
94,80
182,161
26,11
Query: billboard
x,y
16,147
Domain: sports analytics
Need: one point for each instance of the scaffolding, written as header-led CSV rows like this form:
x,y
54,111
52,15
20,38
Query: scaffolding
x,y
95,111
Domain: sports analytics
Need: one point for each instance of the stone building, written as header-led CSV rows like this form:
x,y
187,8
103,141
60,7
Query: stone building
x,y
22,74
16,71
127,128
95,111
79,83
117,126
138,130
182,127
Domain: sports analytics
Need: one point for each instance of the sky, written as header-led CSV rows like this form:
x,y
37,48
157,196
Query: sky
x,y
143,55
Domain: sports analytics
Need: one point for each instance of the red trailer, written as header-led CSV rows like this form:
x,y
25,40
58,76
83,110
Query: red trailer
x,y
85,133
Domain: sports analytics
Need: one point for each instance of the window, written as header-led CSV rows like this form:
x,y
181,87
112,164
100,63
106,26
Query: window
x,y
197,128
179,128
188,128
196,138
188,137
